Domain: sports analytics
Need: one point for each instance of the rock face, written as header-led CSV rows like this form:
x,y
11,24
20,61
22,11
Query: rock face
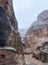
x,y
5,28
38,31
14,39
10,40
22,33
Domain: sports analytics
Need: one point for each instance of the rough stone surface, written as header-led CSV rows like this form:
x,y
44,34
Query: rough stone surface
x,y
9,32
14,38
38,31
5,28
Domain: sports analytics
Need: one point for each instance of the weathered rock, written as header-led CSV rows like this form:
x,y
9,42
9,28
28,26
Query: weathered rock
x,y
38,31
5,32
5,28
14,39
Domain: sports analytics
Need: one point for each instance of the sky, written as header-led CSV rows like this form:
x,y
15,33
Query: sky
x,y
26,11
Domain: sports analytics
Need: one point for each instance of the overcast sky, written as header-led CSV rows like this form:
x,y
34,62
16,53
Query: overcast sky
x,y
26,11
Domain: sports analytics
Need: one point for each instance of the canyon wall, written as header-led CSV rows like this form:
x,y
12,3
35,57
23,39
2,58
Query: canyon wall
x,y
38,32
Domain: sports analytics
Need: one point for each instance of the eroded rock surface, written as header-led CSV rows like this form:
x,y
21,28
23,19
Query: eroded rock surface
x,y
38,30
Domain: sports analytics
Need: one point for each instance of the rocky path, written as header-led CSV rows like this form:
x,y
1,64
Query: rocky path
x,y
29,60
32,61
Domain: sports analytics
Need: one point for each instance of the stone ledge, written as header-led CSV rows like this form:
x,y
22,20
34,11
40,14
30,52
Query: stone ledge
x,y
8,48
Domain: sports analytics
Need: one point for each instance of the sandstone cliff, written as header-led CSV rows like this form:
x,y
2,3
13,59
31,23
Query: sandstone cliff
x,y
38,30
14,39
